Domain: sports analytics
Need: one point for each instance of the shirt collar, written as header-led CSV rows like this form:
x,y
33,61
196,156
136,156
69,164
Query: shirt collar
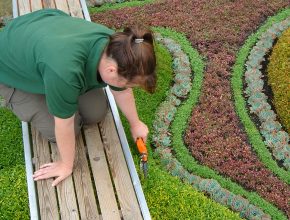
x,y
93,61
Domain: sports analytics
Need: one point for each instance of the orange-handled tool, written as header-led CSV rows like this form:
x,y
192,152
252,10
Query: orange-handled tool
x,y
143,155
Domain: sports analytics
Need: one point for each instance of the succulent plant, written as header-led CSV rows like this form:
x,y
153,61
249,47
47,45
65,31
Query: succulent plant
x,y
257,97
252,71
258,106
270,129
266,115
252,78
254,87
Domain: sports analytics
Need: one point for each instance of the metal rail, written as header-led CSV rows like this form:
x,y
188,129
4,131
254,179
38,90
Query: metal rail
x,y
33,207
34,213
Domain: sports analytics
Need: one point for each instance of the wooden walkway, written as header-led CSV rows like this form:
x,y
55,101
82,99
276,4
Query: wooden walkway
x,y
100,186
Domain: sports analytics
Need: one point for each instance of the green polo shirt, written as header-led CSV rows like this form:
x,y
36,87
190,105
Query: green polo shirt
x,y
48,52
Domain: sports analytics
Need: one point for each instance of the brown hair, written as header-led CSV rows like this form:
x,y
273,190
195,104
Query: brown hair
x,y
136,60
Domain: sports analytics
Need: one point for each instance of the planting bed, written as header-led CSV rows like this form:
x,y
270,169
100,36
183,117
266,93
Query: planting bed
x,y
218,150
220,132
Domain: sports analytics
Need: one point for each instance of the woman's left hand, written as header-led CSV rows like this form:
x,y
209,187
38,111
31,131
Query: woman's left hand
x,y
139,130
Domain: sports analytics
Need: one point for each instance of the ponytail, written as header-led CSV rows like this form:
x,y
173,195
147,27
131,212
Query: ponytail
x,y
133,50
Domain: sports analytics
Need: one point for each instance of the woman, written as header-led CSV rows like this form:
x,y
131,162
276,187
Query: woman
x,y
52,71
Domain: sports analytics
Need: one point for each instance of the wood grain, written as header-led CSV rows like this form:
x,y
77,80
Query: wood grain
x,y
62,5
36,5
23,7
65,193
83,184
75,8
46,193
48,3
124,187
100,170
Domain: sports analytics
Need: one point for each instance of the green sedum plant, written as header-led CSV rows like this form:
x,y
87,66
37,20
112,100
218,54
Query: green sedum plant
x,y
13,189
104,6
279,77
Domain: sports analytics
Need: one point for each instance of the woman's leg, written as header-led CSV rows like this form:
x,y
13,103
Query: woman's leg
x,y
32,108
93,106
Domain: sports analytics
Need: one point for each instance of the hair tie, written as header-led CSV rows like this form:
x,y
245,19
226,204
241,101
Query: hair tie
x,y
139,40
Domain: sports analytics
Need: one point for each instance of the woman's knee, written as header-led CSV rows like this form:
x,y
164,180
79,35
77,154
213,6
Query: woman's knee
x,y
93,106
46,126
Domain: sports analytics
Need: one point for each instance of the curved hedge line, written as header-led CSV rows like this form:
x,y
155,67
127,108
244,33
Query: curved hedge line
x,y
254,135
181,152
275,138
164,193
279,78
114,6
102,2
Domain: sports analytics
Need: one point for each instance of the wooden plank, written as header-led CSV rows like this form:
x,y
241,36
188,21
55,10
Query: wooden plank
x,y
62,5
83,183
23,7
48,3
36,5
75,8
126,194
65,193
100,170
46,193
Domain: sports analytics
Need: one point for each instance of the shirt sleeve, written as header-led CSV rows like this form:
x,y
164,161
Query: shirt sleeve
x,y
61,97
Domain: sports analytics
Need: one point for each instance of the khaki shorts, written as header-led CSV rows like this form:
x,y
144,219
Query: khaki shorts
x,y
32,108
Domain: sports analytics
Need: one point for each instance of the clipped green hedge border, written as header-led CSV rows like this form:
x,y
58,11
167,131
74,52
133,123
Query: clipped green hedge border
x,y
114,6
180,122
275,138
254,135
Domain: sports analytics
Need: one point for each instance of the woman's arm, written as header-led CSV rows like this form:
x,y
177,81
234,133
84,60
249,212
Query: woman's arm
x,y
126,102
65,138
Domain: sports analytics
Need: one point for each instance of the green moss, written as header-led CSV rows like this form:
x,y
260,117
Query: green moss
x,y
11,150
13,190
114,6
13,194
5,8
279,78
